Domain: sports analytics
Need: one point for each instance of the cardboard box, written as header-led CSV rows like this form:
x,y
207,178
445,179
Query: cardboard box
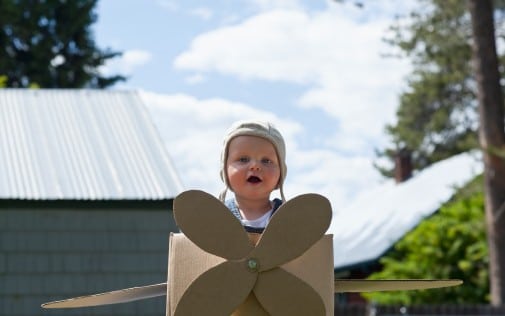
x,y
314,267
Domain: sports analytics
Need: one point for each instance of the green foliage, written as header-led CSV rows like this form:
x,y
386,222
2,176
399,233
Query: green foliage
x,y
3,81
437,115
49,44
449,245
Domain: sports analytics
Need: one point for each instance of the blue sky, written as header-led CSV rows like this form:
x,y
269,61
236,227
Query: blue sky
x,y
314,68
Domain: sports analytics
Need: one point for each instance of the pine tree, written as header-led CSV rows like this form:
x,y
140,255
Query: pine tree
x,y
50,44
437,116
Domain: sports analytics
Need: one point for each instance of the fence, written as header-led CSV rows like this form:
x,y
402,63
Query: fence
x,y
424,310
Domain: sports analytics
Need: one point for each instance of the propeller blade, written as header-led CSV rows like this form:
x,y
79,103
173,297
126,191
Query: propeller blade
x,y
194,211
251,306
346,285
114,297
218,291
281,293
292,230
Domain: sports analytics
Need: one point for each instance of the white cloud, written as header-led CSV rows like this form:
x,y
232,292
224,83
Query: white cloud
x,y
203,13
331,174
134,58
335,56
258,48
128,62
195,79
275,4
170,5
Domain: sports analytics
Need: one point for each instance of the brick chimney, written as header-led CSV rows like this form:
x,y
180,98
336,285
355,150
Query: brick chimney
x,y
403,165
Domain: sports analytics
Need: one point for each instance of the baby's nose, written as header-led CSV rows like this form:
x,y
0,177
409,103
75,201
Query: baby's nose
x,y
255,165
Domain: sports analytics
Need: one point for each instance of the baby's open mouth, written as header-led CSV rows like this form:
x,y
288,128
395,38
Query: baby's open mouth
x,y
253,179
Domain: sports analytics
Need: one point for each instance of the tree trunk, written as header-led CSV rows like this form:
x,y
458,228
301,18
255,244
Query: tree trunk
x,y
491,138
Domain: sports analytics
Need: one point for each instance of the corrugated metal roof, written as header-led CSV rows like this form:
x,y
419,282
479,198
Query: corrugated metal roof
x,y
81,144
364,230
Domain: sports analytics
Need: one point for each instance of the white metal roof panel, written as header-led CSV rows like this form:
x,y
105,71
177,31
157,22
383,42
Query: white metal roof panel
x,y
81,144
367,228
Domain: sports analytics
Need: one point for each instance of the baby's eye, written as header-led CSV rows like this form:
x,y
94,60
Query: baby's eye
x,y
266,161
243,159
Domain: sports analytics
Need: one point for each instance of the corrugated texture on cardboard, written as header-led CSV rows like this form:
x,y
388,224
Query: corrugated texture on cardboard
x,y
187,262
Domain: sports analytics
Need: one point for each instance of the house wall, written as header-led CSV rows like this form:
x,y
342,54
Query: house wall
x,y
51,254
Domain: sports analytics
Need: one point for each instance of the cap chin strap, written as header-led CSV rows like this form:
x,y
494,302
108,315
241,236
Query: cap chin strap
x,y
282,195
222,195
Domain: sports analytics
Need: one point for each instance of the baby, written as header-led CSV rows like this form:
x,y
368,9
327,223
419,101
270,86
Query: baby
x,y
252,166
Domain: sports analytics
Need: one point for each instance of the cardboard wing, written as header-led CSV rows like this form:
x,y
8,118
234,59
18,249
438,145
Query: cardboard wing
x,y
216,268
113,297
349,286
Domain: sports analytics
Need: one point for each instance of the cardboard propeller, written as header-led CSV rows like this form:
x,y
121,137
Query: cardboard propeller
x,y
292,230
286,272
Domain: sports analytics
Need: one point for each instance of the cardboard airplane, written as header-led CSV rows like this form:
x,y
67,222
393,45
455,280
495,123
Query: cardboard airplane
x,y
216,268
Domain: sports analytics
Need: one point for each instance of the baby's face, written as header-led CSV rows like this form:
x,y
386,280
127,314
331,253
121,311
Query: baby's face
x,y
252,167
